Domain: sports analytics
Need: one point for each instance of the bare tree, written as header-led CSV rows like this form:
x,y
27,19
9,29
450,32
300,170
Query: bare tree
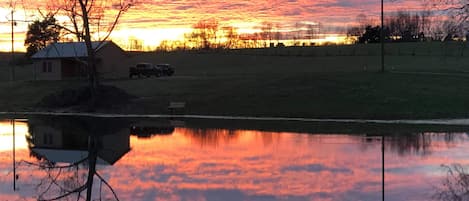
x,y
425,20
205,34
278,33
311,31
458,10
362,21
266,34
89,20
404,26
297,33
231,35
135,44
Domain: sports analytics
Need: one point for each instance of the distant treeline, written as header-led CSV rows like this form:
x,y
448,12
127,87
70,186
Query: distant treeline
x,y
210,34
408,27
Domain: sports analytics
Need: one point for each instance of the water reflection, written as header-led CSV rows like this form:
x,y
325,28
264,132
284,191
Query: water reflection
x,y
148,131
143,159
455,185
68,153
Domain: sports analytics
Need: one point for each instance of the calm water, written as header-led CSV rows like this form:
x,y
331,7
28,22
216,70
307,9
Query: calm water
x,y
148,160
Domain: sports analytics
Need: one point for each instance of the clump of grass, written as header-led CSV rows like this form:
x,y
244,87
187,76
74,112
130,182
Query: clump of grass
x,y
80,99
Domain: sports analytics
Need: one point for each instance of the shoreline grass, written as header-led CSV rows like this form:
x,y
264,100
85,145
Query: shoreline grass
x,y
415,87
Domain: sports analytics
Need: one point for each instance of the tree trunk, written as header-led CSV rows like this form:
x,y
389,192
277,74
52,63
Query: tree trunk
x,y
92,77
92,158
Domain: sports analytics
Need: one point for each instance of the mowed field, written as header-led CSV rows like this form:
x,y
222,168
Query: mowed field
x,y
422,80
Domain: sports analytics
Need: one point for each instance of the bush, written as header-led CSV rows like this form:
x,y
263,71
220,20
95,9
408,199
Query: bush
x,y
80,98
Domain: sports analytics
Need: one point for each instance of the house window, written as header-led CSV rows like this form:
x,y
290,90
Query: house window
x,y
49,67
46,66
48,139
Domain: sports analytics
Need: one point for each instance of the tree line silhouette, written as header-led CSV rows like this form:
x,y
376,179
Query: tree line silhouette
x,y
407,26
210,34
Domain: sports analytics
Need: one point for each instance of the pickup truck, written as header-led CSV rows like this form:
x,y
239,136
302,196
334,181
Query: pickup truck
x,y
148,70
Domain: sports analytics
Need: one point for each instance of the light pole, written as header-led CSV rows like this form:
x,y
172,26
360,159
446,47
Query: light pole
x,y
382,35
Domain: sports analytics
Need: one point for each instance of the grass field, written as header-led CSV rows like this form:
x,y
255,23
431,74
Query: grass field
x,y
424,80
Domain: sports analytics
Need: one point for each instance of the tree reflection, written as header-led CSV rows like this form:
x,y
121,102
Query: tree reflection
x,y
210,137
413,143
455,185
80,144
150,131
410,143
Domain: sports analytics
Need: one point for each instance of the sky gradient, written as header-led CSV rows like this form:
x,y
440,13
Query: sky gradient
x,y
156,20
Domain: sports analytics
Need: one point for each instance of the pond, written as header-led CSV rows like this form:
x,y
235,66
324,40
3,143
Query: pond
x,y
156,159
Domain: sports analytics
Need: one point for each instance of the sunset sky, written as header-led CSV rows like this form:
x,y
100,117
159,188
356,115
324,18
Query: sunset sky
x,y
155,20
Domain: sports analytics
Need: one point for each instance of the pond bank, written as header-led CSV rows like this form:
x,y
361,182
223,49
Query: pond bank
x,y
446,122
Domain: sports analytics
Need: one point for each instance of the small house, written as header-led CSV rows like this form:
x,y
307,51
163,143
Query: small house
x,y
60,61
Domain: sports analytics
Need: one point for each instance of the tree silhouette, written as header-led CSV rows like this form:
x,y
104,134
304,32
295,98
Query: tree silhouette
x,y
231,36
89,23
41,33
372,35
204,34
267,32
405,27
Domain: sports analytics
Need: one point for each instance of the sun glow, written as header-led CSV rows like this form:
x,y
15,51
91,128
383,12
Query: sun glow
x,y
149,39
6,135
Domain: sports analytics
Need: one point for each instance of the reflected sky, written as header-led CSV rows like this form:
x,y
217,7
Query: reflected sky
x,y
220,164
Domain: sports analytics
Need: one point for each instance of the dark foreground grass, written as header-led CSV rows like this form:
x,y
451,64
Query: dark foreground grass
x,y
283,86
316,95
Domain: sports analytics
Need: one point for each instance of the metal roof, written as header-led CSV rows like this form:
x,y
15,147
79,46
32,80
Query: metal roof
x,y
66,156
67,50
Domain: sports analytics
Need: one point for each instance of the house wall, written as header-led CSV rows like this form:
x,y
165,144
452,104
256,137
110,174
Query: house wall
x,y
47,69
113,62
47,137
115,146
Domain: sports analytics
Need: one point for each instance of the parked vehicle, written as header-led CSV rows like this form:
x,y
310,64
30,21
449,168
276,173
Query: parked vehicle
x,y
165,69
148,70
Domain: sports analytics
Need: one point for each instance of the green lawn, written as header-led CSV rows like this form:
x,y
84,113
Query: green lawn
x,y
289,84
324,95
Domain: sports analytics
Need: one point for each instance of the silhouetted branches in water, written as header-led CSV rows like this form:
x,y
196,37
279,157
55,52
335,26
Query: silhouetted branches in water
x,y
107,184
455,186
71,183
52,166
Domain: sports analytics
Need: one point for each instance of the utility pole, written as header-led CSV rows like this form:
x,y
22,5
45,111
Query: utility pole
x,y
12,65
382,36
14,155
382,163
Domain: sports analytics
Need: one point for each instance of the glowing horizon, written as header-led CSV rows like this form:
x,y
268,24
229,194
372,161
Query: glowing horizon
x,y
151,22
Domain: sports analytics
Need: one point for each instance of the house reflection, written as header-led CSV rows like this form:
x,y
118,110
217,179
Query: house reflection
x,y
68,140
80,143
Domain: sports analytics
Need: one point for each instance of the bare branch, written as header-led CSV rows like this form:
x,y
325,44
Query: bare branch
x,y
107,184
53,166
78,190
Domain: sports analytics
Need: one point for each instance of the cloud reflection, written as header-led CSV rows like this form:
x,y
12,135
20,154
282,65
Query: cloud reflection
x,y
223,164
